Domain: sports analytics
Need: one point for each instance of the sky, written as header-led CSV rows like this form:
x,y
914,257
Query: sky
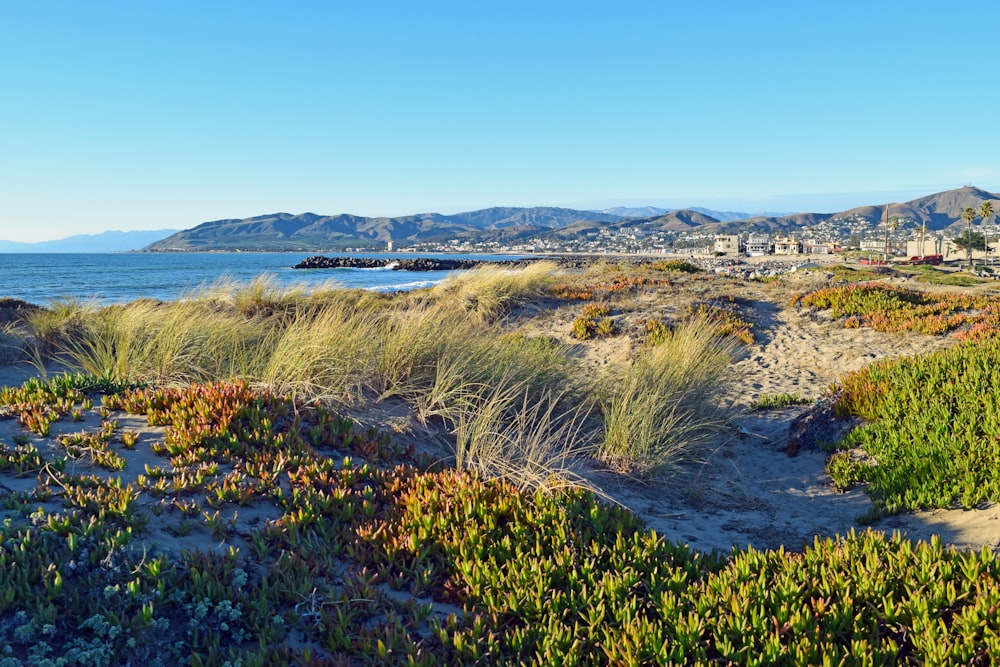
x,y
155,115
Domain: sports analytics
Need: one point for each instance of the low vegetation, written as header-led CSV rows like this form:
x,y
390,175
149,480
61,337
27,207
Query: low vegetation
x,y
593,322
889,308
367,556
934,276
931,429
779,401
208,500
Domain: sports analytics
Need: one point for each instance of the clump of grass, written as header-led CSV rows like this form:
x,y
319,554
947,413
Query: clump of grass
x,y
533,442
473,361
58,321
779,401
486,292
329,353
163,343
263,296
660,409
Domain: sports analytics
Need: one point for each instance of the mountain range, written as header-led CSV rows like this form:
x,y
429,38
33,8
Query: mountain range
x,y
111,241
310,231
505,225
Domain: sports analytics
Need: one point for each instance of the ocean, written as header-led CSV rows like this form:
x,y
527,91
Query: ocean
x,y
43,278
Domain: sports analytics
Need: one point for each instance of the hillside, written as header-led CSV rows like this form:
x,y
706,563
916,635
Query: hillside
x,y
309,231
513,225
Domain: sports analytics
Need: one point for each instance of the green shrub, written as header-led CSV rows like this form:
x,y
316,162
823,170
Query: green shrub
x,y
679,265
932,425
778,401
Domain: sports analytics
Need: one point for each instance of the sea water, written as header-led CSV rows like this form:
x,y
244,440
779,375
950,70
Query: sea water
x,y
43,278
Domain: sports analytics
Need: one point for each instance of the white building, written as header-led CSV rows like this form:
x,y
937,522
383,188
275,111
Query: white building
x,y
758,244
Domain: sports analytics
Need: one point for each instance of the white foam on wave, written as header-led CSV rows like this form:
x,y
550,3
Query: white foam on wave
x,y
416,284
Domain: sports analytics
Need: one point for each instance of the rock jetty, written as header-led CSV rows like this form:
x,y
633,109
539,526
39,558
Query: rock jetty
x,y
414,264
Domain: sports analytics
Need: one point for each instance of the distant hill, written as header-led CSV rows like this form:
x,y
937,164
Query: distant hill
x,y
309,231
654,212
730,216
938,211
111,241
635,212
682,220
516,225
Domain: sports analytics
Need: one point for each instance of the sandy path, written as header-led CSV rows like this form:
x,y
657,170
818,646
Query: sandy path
x,y
749,491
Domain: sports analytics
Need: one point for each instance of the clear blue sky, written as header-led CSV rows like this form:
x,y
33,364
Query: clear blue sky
x,y
147,115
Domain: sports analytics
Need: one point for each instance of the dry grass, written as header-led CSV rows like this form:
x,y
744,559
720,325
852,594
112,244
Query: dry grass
x,y
532,443
658,410
488,292
514,402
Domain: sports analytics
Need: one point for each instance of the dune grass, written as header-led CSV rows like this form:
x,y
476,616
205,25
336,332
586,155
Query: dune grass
x,y
532,442
441,350
779,401
486,293
660,409
444,351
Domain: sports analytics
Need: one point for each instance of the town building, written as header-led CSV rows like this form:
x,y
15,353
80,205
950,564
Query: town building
x,y
758,244
727,243
785,245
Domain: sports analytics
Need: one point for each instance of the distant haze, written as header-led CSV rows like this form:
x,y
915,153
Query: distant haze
x,y
110,241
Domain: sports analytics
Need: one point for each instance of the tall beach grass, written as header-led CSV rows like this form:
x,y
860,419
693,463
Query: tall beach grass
x,y
513,402
661,408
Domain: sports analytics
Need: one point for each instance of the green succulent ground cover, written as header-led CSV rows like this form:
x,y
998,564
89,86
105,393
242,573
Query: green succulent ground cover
x,y
894,309
933,276
932,426
376,558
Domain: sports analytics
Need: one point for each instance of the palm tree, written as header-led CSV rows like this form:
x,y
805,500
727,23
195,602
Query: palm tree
x,y
891,224
986,212
969,214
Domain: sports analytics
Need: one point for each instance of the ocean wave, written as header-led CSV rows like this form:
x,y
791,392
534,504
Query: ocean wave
x,y
361,269
394,287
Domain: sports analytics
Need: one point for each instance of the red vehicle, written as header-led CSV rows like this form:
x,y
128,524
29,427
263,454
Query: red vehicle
x,y
933,260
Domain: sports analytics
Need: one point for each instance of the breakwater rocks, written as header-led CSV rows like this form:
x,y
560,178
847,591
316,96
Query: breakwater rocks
x,y
414,264
735,268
